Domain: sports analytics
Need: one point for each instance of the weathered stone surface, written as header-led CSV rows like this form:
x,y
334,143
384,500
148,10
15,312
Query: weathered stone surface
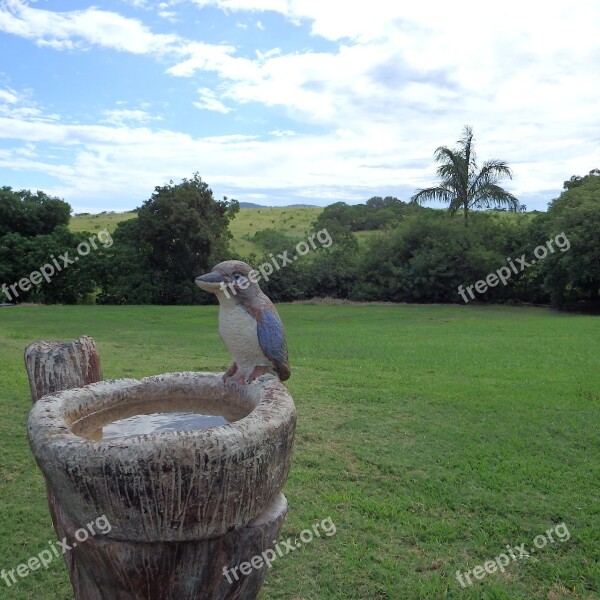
x,y
181,485
182,505
54,366
115,570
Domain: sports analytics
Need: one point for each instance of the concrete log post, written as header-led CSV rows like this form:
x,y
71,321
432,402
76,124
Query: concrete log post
x,y
180,511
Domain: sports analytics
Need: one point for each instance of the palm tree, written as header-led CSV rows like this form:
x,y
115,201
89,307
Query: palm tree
x,y
463,185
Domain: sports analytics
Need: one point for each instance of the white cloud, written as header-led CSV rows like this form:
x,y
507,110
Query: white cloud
x,y
8,96
137,3
280,6
123,116
169,15
405,82
399,80
19,105
91,26
205,57
262,56
28,150
228,139
343,165
282,132
106,158
209,101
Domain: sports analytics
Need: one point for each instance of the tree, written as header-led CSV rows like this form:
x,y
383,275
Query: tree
x,y
572,272
30,214
463,185
577,180
378,202
426,259
33,232
181,232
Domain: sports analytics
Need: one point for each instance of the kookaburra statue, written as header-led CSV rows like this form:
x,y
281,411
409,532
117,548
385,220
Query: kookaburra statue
x,y
249,324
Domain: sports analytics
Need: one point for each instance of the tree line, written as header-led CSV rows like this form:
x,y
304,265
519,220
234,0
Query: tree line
x,y
383,250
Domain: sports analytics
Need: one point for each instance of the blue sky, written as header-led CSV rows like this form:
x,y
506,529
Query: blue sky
x,y
286,101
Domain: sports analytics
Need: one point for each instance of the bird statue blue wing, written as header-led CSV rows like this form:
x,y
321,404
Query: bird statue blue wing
x,y
271,338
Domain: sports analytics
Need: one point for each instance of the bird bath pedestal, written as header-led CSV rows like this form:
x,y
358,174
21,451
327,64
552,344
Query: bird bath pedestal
x,y
185,508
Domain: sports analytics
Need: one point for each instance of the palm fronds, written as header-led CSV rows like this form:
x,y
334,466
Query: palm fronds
x,y
462,185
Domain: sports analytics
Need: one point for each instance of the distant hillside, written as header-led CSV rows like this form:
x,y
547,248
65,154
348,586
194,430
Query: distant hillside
x,y
105,220
295,221
251,205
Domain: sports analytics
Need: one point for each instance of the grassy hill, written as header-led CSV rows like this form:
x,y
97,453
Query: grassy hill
x,y
109,220
293,220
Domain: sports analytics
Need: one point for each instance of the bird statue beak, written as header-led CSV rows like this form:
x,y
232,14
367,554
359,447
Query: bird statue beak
x,y
210,282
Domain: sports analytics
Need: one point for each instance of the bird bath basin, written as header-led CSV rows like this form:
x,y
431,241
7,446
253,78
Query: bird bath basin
x,y
217,468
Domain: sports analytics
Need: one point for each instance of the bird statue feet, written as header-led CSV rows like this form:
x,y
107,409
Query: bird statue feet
x,y
257,372
240,378
230,372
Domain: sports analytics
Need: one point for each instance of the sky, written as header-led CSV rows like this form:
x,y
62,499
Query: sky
x,y
292,101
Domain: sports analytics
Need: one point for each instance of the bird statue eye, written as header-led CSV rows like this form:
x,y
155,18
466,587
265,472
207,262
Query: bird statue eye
x,y
237,276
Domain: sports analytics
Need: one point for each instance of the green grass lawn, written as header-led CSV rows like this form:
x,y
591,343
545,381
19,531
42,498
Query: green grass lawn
x,y
433,436
294,221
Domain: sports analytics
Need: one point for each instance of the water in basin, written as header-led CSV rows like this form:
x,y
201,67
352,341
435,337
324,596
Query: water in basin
x,y
143,424
174,421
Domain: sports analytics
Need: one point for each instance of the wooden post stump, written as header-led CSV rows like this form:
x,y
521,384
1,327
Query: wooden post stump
x,y
177,559
55,366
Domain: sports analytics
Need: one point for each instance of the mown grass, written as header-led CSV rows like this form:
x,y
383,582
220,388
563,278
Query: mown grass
x,y
293,221
433,436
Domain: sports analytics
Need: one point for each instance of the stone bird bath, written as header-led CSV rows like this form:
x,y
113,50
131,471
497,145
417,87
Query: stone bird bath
x,y
182,505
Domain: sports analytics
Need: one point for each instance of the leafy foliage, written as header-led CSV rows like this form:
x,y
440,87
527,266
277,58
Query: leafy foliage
x,y
33,232
181,232
574,274
427,258
384,250
30,214
463,185
271,240
377,213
